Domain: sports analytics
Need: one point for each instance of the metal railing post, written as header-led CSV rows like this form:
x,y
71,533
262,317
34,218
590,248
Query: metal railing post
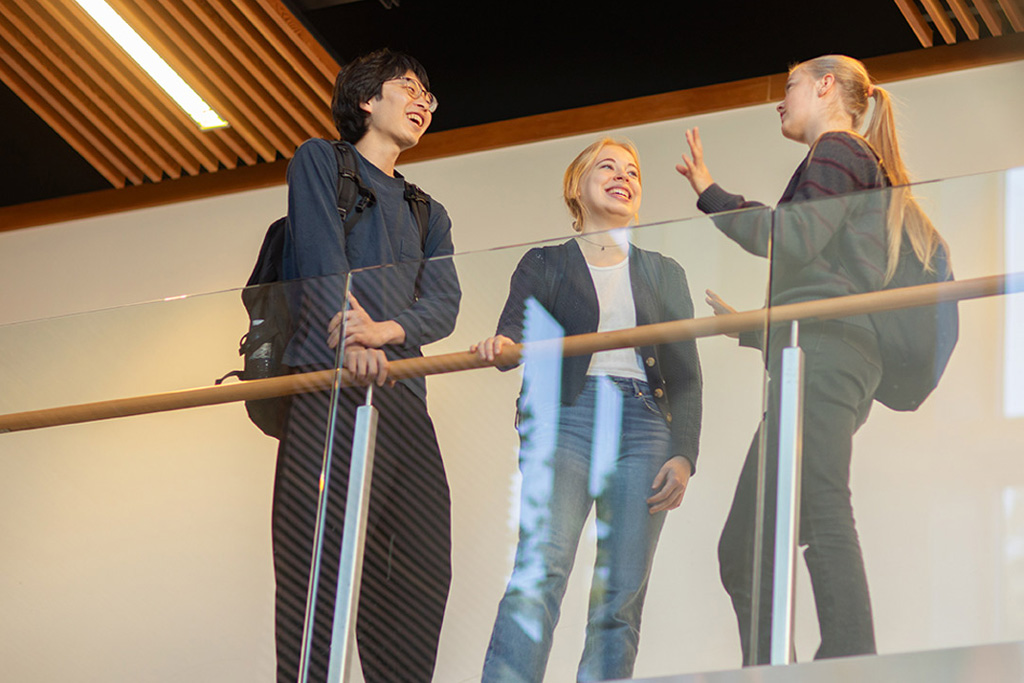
x,y
350,567
313,585
787,510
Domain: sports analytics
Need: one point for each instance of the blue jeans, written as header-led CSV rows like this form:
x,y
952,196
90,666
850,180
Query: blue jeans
x,y
609,446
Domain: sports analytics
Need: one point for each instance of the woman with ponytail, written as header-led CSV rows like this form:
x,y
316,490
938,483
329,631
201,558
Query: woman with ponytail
x,y
833,247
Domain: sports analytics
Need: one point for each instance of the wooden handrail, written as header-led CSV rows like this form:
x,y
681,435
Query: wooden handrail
x,y
644,335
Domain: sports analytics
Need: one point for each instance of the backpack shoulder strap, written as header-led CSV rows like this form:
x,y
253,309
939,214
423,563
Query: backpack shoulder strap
x,y
353,196
419,202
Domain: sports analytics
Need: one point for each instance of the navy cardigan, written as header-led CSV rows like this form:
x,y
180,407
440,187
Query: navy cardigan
x,y
660,293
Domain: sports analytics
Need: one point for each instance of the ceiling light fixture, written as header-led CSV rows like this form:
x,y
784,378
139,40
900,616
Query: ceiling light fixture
x,y
153,64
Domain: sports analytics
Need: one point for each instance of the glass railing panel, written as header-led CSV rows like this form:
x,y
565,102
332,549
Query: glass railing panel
x,y
935,488
168,516
500,480
136,548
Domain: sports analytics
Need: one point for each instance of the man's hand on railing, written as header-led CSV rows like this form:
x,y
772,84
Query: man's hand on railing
x,y
361,329
671,482
368,366
491,348
720,308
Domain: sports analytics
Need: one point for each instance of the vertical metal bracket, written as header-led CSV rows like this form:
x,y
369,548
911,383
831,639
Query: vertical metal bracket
x,y
313,585
350,567
787,510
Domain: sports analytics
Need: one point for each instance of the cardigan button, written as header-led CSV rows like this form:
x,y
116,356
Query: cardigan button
x,y
650,361
658,393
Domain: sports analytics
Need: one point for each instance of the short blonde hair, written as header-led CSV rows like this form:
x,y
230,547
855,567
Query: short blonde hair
x,y
574,174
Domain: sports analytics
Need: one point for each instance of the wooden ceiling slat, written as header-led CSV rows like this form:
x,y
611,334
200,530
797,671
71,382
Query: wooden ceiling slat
x,y
886,69
917,23
245,74
277,76
66,101
151,102
966,18
204,75
233,139
290,26
30,88
262,37
941,20
252,59
990,15
156,100
1013,12
36,50
63,54
314,69
31,96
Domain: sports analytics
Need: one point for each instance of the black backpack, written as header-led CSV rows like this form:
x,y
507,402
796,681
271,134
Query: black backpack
x,y
271,308
915,343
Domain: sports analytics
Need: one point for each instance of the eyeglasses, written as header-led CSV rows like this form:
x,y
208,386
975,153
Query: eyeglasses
x,y
416,91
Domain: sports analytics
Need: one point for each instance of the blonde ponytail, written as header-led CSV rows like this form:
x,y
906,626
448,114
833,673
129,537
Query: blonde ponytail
x,y
905,214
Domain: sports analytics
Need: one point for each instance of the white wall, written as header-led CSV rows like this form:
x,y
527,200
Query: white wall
x,y
139,548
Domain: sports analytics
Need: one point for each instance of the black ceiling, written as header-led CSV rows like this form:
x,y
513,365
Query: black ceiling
x,y
494,61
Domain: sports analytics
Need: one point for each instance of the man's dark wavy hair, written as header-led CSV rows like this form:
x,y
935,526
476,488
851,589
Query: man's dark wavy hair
x,y
360,81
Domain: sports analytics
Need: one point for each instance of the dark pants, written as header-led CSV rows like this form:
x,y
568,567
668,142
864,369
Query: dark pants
x,y
407,566
842,370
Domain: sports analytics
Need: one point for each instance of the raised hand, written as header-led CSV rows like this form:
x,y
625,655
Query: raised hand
x,y
693,167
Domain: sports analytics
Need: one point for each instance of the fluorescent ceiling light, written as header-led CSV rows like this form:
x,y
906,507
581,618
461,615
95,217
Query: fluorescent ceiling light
x,y
153,64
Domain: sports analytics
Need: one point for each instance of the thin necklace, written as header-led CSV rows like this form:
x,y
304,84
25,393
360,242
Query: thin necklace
x,y
596,244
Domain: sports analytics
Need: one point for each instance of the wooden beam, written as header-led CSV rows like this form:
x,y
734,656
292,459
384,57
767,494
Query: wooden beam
x,y
206,75
946,58
245,77
310,47
1013,12
150,100
941,20
85,95
749,92
988,13
917,23
310,84
41,96
559,124
153,140
31,91
187,188
966,18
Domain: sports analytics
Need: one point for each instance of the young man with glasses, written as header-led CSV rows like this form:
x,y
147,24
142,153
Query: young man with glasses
x,y
381,108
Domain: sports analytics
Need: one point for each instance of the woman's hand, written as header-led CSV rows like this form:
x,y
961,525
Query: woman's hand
x,y
693,167
490,348
671,482
720,308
